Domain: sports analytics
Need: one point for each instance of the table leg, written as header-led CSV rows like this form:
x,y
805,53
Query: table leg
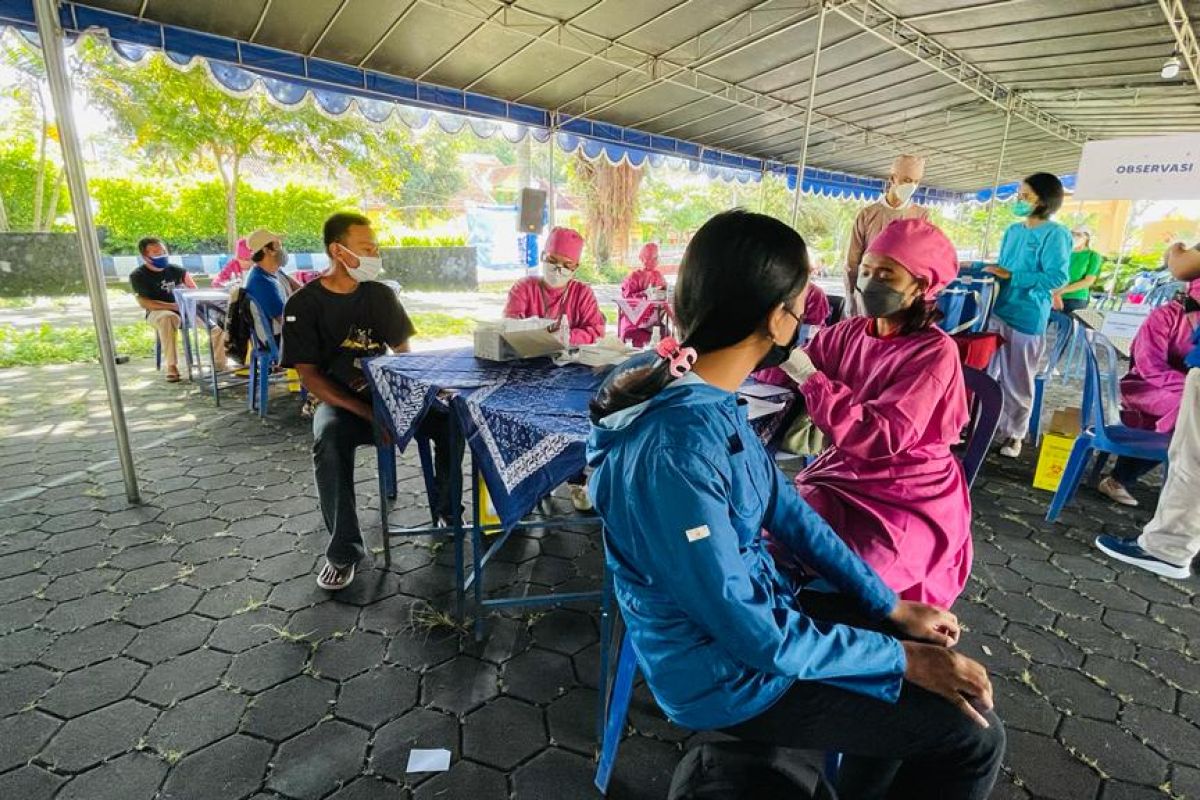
x,y
477,551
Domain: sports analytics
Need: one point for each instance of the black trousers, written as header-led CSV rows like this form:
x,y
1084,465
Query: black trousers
x,y
920,747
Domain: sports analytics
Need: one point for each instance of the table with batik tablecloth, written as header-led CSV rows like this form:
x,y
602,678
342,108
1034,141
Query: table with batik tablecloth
x,y
525,424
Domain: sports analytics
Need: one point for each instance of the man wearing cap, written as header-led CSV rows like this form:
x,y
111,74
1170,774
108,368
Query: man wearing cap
x,y
1084,269
266,282
896,203
556,295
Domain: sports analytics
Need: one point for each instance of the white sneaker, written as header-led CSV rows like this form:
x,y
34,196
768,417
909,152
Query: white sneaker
x,y
1111,488
579,497
1011,448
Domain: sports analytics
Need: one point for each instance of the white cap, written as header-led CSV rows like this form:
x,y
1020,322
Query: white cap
x,y
260,239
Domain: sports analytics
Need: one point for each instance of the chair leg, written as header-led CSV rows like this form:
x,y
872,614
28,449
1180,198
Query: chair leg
x,y
618,711
1076,464
1101,460
1035,415
264,384
385,460
252,383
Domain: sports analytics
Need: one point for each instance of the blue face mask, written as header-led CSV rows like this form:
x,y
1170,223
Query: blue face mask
x,y
160,261
1022,208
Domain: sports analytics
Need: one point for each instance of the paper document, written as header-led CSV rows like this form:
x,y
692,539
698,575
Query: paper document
x,y
762,408
428,760
760,390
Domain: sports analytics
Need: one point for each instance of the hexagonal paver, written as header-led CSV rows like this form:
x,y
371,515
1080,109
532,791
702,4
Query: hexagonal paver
x,y
94,737
1172,736
133,775
183,676
23,736
378,695
1128,679
423,729
459,685
205,550
1075,692
324,620
248,630
538,675
370,788
420,650
150,578
267,665
504,733
225,601
289,708
1116,752
97,643
92,687
30,782
23,613
164,604
23,686
571,720
85,611
197,722
165,640
1175,667
645,768
465,779
220,572
565,631
313,764
345,657
553,775
284,567
231,769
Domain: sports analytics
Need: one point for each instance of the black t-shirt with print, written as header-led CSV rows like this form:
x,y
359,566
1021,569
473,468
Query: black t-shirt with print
x,y
334,331
158,284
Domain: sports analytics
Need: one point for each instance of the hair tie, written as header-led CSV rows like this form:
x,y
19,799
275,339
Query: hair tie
x,y
681,358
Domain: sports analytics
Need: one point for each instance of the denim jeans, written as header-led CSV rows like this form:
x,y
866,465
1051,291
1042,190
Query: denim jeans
x,y
918,748
337,433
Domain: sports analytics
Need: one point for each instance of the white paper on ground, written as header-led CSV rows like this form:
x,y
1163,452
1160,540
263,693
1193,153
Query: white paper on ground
x,y
428,760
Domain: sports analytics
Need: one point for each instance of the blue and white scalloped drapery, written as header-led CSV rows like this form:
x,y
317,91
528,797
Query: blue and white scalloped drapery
x,y
288,78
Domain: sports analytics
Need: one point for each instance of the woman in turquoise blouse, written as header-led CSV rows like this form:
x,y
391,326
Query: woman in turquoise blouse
x,y
1035,255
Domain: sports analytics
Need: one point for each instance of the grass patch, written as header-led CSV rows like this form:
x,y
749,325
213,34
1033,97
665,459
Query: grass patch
x,y
434,325
35,347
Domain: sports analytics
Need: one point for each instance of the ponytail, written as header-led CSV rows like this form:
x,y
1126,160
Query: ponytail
x,y
630,386
921,315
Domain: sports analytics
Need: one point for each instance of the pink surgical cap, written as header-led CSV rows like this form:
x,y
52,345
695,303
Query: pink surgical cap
x,y
565,243
922,249
243,250
649,255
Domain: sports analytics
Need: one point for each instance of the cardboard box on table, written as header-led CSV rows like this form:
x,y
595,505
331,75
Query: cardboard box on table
x,y
1055,449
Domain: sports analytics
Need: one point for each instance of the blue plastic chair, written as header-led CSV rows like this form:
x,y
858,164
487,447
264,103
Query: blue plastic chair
x,y
1095,431
263,357
1164,292
1065,331
987,402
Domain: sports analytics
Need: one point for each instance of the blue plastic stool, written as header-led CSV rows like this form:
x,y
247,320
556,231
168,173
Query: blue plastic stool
x,y
1096,434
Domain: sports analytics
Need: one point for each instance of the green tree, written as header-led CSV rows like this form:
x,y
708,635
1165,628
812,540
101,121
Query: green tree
x,y
179,119
28,93
610,196
20,172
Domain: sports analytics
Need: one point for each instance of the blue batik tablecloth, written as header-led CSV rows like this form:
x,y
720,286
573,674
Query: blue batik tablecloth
x,y
526,422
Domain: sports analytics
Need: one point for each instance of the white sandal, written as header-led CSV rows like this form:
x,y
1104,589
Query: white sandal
x,y
332,578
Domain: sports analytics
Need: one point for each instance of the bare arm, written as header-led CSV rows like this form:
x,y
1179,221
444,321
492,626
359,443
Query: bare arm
x,y
1083,283
331,393
154,305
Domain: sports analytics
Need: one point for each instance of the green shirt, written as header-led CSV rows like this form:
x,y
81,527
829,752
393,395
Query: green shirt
x,y
1083,263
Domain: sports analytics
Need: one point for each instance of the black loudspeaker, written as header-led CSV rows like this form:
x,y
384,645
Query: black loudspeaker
x,y
532,211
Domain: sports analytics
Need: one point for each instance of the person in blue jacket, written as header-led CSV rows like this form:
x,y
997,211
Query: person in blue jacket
x,y
686,490
1035,259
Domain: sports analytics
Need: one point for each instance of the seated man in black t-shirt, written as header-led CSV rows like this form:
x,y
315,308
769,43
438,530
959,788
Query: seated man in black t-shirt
x,y
329,326
154,284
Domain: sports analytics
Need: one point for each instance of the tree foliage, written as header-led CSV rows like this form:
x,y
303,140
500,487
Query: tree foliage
x,y
610,199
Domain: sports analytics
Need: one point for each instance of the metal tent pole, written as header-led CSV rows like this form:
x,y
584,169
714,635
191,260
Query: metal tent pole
x,y
50,34
808,112
551,195
987,228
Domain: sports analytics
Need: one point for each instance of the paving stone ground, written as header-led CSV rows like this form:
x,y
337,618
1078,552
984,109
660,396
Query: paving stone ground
x,y
180,649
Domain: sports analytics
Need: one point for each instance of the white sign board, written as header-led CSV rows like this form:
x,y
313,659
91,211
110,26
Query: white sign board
x,y
1145,168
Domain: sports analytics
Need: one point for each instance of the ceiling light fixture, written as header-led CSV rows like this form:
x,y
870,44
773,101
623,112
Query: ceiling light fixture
x,y
1170,68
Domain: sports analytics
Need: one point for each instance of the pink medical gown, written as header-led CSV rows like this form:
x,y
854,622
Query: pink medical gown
x,y
891,408
635,287
575,304
1153,387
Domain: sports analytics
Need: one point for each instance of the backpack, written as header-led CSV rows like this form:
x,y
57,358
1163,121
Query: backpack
x,y
238,324
749,771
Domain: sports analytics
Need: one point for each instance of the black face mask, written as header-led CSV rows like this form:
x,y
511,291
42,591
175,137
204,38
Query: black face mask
x,y
879,299
780,353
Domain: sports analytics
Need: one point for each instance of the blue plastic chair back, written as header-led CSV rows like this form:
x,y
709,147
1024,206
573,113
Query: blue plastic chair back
x,y
265,355
987,402
1162,294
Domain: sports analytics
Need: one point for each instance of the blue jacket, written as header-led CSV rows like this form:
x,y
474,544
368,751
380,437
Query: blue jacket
x,y
685,489
1039,260
264,287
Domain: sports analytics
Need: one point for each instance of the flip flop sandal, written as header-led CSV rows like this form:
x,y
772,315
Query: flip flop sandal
x,y
338,578
173,377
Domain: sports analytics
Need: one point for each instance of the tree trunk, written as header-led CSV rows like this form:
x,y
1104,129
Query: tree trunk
x,y
3,216
611,203
229,177
52,208
39,186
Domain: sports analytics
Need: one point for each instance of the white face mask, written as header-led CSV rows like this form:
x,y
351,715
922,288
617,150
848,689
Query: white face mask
x,y
555,276
904,192
369,267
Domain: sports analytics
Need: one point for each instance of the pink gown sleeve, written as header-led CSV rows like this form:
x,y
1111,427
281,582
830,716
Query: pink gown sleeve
x,y
890,423
231,268
816,306
633,287
1151,347
520,301
584,317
